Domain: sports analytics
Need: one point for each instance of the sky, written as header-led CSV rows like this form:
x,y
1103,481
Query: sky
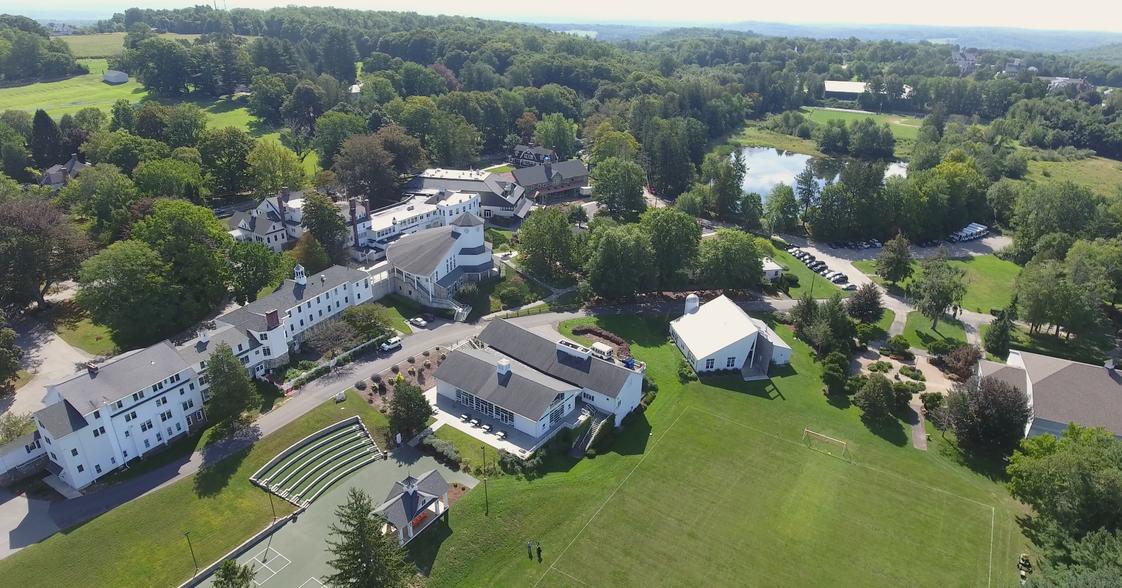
x,y
1097,15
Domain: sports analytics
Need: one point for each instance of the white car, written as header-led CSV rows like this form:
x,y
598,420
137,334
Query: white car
x,y
418,322
391,344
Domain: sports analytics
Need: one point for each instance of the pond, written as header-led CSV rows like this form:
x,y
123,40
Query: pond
x,y
768,167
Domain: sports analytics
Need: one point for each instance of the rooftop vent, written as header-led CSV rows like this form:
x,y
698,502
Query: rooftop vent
x,y
502,367
568,347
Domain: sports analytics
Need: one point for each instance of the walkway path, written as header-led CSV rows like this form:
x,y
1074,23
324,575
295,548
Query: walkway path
x,y
919,433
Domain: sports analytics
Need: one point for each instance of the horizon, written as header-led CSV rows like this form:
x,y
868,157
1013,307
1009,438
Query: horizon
x,y
1085,16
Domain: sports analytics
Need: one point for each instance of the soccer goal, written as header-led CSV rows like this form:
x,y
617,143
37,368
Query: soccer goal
x,y
826,444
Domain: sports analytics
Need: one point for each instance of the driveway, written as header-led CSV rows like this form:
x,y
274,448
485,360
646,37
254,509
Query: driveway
x,y
47,356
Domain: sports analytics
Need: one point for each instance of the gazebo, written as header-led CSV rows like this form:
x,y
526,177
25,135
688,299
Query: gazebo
x,y
413,504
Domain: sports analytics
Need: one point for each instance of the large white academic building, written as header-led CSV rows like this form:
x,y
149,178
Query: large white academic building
x,y
114,411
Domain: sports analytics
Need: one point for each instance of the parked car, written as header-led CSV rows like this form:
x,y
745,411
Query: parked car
x,y
391,344
839,279
849,287
418,322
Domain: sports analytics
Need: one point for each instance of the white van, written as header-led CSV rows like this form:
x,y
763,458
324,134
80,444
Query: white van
x,y
602,351
392,344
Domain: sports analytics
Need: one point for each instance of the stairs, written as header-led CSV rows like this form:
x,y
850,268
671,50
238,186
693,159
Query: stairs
x,y
597,420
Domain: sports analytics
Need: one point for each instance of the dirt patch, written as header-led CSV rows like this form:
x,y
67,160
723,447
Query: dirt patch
x,y
456,491
419,372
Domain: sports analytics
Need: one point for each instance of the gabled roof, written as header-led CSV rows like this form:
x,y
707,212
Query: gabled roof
x,y
120,376
524,391
400,508
541,354
561,171
420,253
714,326
59,173
252,315
1066,391
543,151
480,182
61,419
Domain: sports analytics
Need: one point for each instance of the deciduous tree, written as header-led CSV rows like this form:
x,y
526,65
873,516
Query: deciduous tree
x,y
323,221
618,186
875,398
940,289
253,266
224,153
729,260
558,133
546,242
987,413
126,288
10,355
620,262
231,391
865,305
39,247
409,411
675,237
272,167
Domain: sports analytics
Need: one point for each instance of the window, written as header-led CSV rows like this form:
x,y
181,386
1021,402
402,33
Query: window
x,y
709,363
730,362
113,460
147,444
81,469
53,455
145,426
74,452
170,433
97,414
97,468
178,427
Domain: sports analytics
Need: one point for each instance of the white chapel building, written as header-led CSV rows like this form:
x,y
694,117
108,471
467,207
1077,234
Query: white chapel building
x,y
719,335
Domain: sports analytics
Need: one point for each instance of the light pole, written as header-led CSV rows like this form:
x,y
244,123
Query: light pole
x,y
187,534
486,498
271,507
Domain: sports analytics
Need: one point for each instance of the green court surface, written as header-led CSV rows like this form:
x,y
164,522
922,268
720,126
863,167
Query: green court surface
x,y
296,555
771,498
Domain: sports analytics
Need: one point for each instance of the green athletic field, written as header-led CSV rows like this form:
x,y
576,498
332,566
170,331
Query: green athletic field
x,y
72,94
712,486
903,126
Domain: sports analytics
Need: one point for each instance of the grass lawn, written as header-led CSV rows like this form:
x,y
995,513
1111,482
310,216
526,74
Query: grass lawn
x,y
1089,349
471,449
883,325
755,136
903,126
22,377
500,168
71,95
917,330
484,300
73,325
400,309
809,281
141,543
712,486
108,44
1100,174
989,280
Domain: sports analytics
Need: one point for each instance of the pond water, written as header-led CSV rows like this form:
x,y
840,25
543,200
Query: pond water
x,y
768,167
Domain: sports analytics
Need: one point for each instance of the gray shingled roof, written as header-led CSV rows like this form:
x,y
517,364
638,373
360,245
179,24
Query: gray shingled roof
x,y
1066,391
467,219
541,353
1014,376
61,419
195,351
400,508
493,184
525,391
252,315
421,252
535,175
120,376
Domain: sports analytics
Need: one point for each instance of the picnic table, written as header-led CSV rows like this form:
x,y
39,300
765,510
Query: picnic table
x,y
501,434
464,418
474,422
486,428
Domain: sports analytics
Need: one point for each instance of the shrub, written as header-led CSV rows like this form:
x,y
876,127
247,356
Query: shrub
x,y
931,401
962,360
395,369
941,347
411,359
376,378
882,367
426,353
444,450
427,364
898,347
876,398
685,371
912,372
360,385
623,349
443,356
412,371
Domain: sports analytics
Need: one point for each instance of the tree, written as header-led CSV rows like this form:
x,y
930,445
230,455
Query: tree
x,y
104,194
267,94
804,313
453,141
13,425
694,202
172,178
272,167
730,260
195,243
613,143
224,153
407,152
309,253
10,355
361,555
39,247
865,305
725,175
232,575
338,54
620,261
127,289
303,106
330,337
332,129
323,221
806,188
987,413
369,321
45,140
364,167
675,237
875,399
231,392
253,266
963,360
895,260
940,288
781,210
123,149
558,133
122,116
163,65
546,242
409,411
997,338
185,125
618,185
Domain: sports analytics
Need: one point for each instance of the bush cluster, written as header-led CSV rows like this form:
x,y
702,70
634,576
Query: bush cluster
x,y
445,451
912,372
685,371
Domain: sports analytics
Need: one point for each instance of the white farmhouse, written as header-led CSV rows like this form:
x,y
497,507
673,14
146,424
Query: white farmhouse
x,y
114,411
772,271
534,383
719,335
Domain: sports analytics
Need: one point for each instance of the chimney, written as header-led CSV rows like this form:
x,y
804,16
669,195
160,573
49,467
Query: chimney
x,y
354,221
502,367
299,276
272,319
204,337
91,368
692,304
282,199
548,169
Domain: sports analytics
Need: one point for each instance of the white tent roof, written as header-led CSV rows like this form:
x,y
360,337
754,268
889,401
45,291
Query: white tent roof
x,y
716,325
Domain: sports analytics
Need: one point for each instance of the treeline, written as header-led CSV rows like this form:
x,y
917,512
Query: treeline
x,y
28,53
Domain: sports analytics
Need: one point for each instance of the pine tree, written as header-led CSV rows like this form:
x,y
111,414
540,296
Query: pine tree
x,y
362,556
231,392
998,336
895,261
46,140
408,409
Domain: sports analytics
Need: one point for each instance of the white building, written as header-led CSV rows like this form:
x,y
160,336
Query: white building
x,y
415,213
278,220
118,410
719,335
499,195
772,271
430,266
533,383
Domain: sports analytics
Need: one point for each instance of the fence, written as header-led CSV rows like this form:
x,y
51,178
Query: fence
x,y
539,309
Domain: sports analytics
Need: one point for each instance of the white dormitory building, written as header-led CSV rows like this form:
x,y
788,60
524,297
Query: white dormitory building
x,y
500,197
114,411
720,336
533,383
